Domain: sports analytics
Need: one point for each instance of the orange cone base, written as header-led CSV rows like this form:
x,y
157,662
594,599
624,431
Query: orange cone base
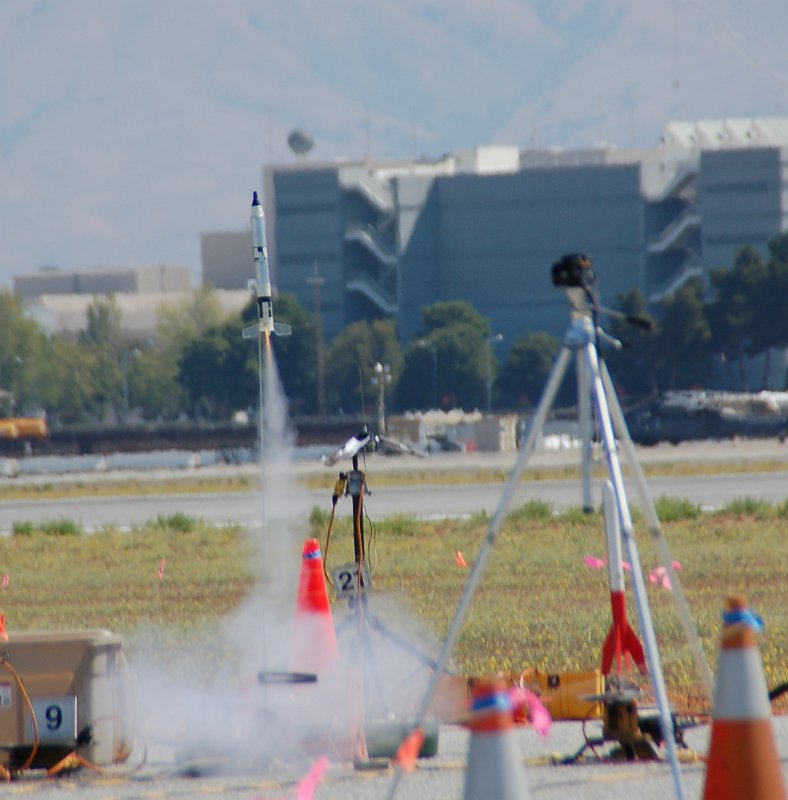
x,y
734,743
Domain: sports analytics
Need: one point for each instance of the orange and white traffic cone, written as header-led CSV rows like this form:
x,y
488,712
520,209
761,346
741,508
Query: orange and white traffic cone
x,y
495,766
314,637
743,760
3,633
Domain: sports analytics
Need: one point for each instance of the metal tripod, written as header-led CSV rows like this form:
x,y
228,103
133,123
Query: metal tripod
x,y
583,338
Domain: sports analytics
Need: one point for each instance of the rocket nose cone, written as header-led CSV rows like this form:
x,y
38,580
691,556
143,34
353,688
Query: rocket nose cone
x,y
255,199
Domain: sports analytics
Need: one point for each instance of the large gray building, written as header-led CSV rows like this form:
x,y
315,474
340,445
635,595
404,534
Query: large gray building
x,y
104,280
486,225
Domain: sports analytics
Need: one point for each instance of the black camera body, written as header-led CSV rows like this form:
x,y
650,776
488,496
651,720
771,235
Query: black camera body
x,y
573,271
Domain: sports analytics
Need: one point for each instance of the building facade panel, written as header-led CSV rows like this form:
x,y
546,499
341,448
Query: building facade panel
x,y
307,240
741,201
499,236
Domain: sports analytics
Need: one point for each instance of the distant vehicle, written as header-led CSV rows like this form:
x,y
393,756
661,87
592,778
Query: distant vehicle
x,y
684,416
23,428
13,427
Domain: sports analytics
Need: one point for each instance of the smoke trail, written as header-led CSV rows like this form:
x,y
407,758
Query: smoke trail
x,y
206,700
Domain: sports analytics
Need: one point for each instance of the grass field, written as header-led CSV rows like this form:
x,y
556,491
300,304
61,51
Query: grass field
x,y
538,603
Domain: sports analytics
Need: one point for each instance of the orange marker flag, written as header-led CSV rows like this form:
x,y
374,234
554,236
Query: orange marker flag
x,y
409,750
461,562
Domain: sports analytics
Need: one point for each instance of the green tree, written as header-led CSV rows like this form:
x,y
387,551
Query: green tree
x,y
153,389
772,304
632,366
25,358
447,313
527,368
74,368
682,346
351,359
217,373
734,315
453,347
103,340
178,325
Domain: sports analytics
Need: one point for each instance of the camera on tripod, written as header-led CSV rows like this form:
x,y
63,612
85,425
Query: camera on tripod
x,y
573,271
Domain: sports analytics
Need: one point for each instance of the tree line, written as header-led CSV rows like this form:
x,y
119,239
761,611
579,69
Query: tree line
x,y
198,366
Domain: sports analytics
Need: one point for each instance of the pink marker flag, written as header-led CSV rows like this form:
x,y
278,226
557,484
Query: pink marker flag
x,y
660,576
161,568
5,581
537,713
461,562
594,562
305,789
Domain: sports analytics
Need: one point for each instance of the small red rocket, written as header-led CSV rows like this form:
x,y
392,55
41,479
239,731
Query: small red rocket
x,y
621,639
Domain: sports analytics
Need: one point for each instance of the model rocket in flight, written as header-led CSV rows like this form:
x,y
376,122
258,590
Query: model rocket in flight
x,y
262,283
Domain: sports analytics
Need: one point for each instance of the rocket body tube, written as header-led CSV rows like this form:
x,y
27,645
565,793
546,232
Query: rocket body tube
x,y
621,639
262,283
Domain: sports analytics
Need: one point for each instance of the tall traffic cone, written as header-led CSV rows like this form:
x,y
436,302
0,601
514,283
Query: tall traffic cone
x,y
494,761
314,637
3,633
743,760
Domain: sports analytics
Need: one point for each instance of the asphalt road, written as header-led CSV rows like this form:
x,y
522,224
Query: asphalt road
x,y
438,778
424,501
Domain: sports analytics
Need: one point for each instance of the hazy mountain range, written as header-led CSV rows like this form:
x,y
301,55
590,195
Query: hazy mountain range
x,y
127,127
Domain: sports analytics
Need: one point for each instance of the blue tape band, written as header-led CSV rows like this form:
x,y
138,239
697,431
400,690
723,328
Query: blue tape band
x,y
744,616
490,702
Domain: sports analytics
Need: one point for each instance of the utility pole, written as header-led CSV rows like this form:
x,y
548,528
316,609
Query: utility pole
x,y
491,340
316,281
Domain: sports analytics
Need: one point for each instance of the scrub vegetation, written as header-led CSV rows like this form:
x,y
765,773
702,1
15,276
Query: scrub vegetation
x,y
538,604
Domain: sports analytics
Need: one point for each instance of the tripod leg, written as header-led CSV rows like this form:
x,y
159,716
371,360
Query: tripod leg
x,y
639,585
584,414
546,402
701,662
400,641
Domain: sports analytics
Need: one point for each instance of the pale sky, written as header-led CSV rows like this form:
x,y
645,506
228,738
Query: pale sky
x,y
128,127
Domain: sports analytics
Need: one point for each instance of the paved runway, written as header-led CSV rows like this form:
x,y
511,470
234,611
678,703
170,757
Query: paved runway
x,y
424,501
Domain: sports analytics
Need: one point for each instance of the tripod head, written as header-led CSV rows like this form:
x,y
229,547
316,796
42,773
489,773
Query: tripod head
x,y
575,274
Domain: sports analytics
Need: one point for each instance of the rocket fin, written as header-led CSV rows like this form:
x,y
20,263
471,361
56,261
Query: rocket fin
x,y
621,639
635,648
612,643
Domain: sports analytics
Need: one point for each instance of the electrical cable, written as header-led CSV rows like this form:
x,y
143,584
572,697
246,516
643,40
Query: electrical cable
x,y
36,739
339,489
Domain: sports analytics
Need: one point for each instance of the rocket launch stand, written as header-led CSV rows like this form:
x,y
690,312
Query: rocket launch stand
x,y
353,583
